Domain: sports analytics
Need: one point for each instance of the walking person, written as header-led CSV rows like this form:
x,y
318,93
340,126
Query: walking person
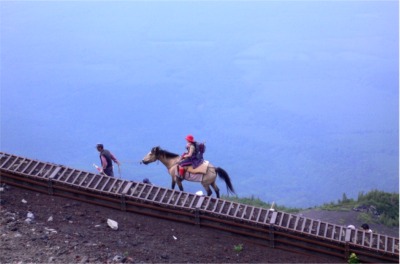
x,y
107,159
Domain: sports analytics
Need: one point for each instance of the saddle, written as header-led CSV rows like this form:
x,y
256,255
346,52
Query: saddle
x,y
195,175
202,168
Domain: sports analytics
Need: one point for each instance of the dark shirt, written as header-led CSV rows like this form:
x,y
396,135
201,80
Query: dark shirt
x,y
106,158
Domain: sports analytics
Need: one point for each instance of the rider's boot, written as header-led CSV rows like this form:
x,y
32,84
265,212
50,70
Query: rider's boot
x,y
182,172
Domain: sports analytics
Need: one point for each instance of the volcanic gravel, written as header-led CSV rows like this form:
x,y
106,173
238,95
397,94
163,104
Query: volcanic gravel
x,y
40,228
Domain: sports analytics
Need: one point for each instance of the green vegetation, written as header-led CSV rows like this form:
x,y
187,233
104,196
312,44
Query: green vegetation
x,y
238,248
365,218
259,203
374,206
353,258
345,204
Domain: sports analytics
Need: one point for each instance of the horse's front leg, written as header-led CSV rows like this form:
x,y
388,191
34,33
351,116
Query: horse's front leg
x,y
178,181
180,184
173,185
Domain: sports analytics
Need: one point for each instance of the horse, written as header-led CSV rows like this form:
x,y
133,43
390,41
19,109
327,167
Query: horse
x,y
170,160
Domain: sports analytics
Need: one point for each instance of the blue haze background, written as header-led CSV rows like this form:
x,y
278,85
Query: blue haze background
x,y
297,100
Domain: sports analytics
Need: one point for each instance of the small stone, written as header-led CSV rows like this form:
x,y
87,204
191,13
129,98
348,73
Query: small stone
x,y
118,258
30,215
113,224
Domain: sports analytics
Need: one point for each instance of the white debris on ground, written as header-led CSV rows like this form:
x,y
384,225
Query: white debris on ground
x,y
113,224
29,217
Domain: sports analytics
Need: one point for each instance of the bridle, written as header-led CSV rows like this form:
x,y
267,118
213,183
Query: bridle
x,y
158,152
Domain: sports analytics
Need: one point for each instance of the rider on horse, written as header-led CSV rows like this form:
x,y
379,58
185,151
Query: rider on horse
x,y
190,157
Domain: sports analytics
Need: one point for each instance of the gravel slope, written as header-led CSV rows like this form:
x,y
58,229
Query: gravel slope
x,y
68,231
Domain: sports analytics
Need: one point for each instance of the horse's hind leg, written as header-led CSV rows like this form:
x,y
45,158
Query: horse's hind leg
x,y
216,189
208,189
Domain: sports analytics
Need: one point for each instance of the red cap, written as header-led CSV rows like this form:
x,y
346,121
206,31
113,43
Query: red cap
x,y
190,138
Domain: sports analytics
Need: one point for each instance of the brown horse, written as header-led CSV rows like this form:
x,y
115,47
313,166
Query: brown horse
x,y
170,161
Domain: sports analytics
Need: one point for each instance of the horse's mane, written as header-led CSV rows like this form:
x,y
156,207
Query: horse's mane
x,y
168,154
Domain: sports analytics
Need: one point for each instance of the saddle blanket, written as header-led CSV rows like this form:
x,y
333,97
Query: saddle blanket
x,y
195,175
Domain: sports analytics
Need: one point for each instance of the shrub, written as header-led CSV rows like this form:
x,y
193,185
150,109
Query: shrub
x,y
353,258
238,248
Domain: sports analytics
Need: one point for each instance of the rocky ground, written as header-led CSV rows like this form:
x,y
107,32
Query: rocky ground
x,y
39,228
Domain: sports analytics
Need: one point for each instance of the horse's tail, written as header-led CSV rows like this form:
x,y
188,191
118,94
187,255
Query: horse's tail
x,y
224,175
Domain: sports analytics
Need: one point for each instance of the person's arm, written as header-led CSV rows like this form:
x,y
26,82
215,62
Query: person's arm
x,y
114,158
190,153
103,162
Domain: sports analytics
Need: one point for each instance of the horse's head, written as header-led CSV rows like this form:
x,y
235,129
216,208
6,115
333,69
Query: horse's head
x,y
151,156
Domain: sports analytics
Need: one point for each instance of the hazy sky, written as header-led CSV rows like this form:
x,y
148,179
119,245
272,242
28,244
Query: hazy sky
x,y
318,78
302,55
